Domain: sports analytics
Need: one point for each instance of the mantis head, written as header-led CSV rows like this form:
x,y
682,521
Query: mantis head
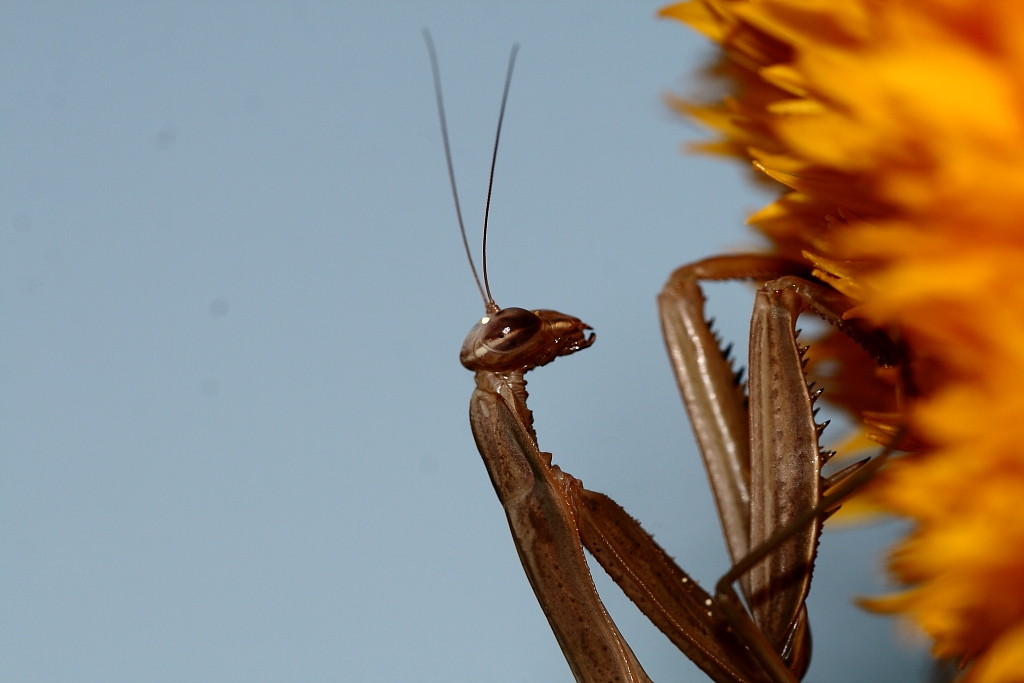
x,y
515,339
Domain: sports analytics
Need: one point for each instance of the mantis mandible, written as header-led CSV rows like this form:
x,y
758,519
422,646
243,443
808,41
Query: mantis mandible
x,y
760,450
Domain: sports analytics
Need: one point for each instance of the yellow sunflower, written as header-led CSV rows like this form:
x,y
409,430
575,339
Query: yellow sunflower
x,y
897,131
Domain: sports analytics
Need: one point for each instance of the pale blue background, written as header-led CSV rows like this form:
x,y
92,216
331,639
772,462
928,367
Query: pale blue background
x,y
233,434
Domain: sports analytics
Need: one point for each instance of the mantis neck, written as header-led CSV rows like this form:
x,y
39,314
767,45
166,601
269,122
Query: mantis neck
x,y
511,387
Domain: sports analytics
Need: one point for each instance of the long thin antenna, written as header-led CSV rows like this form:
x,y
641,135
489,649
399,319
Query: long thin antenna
x,y
488,302
494,159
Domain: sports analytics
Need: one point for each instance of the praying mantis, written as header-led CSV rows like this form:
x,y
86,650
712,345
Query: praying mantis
x,y
759,444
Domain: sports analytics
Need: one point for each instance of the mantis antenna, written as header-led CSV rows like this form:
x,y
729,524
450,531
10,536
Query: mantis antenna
x,y
494,159
485,289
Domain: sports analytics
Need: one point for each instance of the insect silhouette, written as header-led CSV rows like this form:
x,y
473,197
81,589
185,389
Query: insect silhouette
x,y
759,443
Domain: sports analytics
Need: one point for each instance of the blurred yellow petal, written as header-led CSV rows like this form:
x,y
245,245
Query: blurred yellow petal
x,y
696,16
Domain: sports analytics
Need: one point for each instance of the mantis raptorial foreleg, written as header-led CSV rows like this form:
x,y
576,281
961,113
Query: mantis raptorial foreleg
x,y
839,485
680,608
761,454
712,392
543,522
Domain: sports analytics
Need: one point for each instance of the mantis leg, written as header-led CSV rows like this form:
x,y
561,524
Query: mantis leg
x,y
841,485
785,475
543,522
673,601
714,398
550,513
763,461
785,460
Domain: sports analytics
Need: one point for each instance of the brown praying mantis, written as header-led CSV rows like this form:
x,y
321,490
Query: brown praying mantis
x,y
760,448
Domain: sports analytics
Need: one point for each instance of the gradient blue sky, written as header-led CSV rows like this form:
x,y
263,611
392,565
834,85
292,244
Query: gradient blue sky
x,y
233,432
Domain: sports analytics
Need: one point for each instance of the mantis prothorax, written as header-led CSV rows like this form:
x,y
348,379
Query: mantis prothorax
x,y
761,454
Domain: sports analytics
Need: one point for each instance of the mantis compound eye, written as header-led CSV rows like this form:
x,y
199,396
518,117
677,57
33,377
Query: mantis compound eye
x,y
510,329
503,341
